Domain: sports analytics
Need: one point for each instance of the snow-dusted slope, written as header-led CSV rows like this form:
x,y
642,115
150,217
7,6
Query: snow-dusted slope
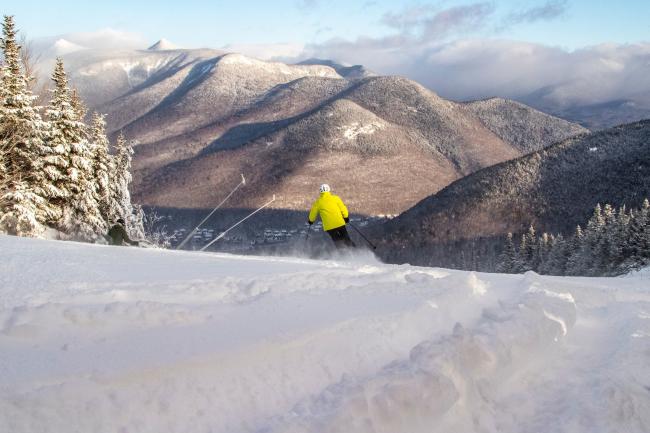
x,y
107,339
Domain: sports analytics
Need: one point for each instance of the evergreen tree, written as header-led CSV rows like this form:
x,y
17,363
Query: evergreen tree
x,y
4,178
543,251
619,235
528,250
575,260
606,242
589,255
639,236
26,190
82,217
520,262
120,183
136,222
21,205
102,168
508,259
122,176
558,256
78,105
614,242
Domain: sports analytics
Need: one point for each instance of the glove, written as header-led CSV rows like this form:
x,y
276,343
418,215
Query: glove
x,y
346,219
310,222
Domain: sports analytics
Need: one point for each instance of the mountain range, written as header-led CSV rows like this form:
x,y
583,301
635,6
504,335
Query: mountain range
x,y
201,117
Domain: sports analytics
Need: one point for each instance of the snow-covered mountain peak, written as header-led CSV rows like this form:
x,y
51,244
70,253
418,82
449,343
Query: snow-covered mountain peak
x,y
250,63
163,45
63,46
240,59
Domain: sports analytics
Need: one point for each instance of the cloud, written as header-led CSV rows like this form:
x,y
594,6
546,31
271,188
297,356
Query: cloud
x,y
551,10
307,5
458,18
426,21
478,68
541,74
323,29
108,39
105,39
422,48
416,29
268,51
369,4
410,16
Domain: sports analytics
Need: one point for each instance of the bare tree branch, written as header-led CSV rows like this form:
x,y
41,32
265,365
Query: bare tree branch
x,y
29,59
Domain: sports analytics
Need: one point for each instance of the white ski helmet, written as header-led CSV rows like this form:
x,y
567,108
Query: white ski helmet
x,y
324,188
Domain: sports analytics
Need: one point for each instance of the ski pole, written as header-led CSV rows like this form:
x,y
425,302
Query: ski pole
x,y
243,182
222,234
374,247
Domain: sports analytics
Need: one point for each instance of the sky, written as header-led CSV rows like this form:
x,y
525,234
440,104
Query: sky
x,y
567,52
569,24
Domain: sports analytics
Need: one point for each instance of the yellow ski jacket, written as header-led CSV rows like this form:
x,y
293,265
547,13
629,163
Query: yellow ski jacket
x,y
331,210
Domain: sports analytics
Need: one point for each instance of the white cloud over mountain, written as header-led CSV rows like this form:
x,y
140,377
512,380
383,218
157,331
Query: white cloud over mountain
x,y
429,44
486,67
105,39
268,51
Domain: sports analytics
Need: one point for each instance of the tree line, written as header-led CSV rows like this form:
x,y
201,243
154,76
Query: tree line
x,y
57,175
614,241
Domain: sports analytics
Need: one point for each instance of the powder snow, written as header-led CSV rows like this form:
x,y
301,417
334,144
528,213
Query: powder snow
x,y
110,339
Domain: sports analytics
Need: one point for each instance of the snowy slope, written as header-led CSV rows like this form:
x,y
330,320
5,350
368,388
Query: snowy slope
x,y
107,339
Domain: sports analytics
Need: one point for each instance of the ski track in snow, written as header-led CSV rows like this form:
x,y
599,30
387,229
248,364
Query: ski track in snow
x,y
107,339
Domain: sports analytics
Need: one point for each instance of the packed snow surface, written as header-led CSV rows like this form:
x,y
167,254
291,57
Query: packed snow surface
x,y
112,339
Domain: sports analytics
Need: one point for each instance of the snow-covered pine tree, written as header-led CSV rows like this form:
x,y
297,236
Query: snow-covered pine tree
x,y
544,243
3,173
82,217
102,168
590,258
528,250
606,242
508,259
21,206
25,206
618,241
78,105
120,184
136,222
122,177
558,255
520,263
639,236
4,178
575,247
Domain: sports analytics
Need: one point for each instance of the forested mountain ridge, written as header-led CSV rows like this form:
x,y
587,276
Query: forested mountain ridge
x,y
553,189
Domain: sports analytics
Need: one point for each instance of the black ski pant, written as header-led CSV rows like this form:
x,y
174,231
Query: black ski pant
x,y
341,237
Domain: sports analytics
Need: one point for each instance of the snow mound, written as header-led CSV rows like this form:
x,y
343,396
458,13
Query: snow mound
x,y
426,388
105,339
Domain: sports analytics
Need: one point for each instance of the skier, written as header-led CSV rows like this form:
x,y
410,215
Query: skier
x,y
117,235
334,215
